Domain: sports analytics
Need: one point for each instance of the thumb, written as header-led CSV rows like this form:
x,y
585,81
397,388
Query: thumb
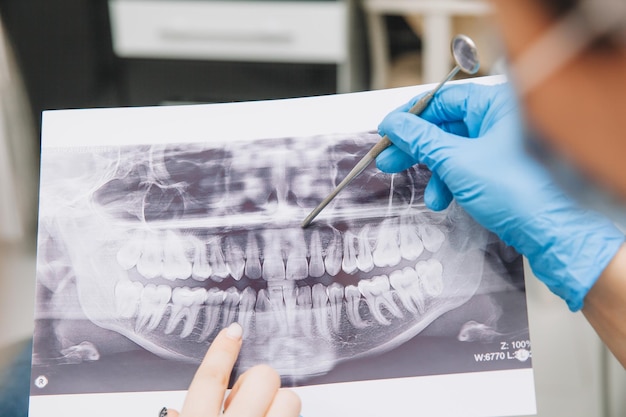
x,y
425,142
392,160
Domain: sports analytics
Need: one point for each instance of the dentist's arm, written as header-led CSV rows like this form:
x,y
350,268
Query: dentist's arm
x,y
471,138
605,306
597,74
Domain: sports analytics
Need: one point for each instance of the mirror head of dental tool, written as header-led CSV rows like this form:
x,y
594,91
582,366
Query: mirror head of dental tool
x,y
465,55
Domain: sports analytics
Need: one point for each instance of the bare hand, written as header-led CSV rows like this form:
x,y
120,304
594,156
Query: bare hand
x,y
256,393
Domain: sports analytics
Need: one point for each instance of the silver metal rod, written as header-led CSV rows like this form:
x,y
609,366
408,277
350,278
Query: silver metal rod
x,y
382,144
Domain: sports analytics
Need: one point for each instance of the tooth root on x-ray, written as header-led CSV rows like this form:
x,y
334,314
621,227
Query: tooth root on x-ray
x,y
214,300
235,261
231,303
349,263
186,305
364,259
201,270
273,265
246,310
290,298
353,299
325,287
334,255
335,297
304,305
278,308
154,303
320,310
377,295
253,262
264,320
407,286
296,267
216,259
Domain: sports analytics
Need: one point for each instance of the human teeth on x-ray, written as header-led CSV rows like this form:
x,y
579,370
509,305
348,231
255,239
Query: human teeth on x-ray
x,y
166,245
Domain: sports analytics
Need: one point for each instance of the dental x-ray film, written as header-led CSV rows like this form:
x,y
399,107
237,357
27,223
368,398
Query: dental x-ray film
x,y
159,226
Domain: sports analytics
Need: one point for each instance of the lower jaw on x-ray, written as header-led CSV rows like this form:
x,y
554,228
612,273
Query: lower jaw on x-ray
x,y
166,245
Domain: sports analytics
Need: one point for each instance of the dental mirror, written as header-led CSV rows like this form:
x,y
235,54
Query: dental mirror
x,y
465,55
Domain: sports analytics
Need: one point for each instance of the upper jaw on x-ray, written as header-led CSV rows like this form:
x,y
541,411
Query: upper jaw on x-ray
x,y
169,244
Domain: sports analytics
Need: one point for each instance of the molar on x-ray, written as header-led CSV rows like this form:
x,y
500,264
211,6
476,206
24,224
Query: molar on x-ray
x,y
166,245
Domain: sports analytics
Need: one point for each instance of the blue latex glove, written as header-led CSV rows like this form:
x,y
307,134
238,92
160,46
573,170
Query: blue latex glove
x,y
471,138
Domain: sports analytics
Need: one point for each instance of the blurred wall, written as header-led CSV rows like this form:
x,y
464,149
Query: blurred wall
x,y
18,152
63,50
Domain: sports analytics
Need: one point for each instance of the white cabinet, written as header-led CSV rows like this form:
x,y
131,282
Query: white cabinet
x,y
298,32
251,31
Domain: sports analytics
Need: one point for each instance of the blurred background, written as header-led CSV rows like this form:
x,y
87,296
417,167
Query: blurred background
x,y
58,54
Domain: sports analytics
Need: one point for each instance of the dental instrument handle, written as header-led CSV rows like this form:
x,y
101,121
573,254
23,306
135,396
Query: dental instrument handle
x,y
421,105
382,144
355,172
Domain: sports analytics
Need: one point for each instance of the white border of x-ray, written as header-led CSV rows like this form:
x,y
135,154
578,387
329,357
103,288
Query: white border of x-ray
x,y
497,393
302,117
494,393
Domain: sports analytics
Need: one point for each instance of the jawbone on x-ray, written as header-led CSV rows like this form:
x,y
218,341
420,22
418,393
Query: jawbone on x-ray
x,y
159,246
169,244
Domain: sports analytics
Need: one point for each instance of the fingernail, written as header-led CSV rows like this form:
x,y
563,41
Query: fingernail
x,y
234,331
163,412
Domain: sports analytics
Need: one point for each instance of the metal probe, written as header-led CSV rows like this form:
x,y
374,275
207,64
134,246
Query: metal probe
x,y
466,56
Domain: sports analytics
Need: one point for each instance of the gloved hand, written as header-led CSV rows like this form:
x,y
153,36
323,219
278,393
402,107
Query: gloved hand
x,y
471,138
